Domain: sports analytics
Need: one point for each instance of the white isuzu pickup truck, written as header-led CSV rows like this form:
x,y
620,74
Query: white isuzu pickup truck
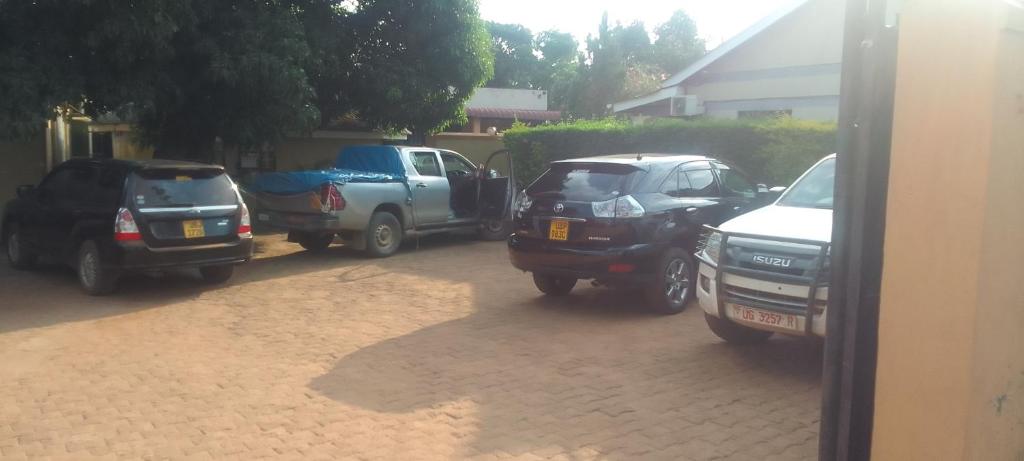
x,y
767,271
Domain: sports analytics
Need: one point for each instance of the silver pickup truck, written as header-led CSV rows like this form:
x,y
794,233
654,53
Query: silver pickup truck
x,y
376,196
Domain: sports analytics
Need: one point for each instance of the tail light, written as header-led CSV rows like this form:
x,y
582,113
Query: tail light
x,y
245,224
330,198
125,229
621,207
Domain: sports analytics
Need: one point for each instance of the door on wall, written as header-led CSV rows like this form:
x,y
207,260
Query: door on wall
x,y
103,144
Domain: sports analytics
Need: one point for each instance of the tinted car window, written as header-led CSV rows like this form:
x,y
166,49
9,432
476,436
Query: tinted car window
x,y
56,182
815,189
677,185
70,184
702,184
426,163
454,163
110,185
734,184
182,188
590,182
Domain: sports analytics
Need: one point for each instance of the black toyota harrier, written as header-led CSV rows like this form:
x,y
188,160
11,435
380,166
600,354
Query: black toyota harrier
x,y
626,220
107,217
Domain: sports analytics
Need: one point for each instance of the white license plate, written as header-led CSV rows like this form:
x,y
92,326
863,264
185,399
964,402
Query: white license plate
x,y
761,317
263,217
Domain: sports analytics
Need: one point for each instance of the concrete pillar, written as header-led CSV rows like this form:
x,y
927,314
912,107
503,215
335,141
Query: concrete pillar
x,y
950,376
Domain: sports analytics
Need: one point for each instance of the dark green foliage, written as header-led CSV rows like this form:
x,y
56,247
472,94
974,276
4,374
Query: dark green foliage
x,y
515,65
677,45
774,152
246,71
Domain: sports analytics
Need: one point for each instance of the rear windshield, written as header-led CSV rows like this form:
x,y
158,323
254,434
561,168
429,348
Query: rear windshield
x,y
589,182
815,189
182,188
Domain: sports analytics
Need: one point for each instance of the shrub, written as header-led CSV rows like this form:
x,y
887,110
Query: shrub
x,y
772,151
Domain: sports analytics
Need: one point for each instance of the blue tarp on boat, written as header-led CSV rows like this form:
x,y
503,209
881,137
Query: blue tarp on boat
x,y
354,164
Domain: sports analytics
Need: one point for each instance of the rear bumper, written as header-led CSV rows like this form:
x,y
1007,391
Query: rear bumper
x,y
544,257
303,221
141,257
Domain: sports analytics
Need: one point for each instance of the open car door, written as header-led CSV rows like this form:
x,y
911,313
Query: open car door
x,y
496,192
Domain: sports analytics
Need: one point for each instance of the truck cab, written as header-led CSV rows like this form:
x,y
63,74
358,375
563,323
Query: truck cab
x,y
767,271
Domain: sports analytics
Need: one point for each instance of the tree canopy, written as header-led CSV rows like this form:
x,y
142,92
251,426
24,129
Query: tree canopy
x,y
619,62
245,71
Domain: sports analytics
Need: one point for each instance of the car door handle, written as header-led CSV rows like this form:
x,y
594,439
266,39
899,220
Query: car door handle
x,y
421,185
736,208
692,210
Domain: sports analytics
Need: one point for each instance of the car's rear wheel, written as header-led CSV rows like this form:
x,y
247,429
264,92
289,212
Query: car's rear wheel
x,y
553,285
383,235
315,242
735,333
18,255
216,274
672,288
494,229
95,279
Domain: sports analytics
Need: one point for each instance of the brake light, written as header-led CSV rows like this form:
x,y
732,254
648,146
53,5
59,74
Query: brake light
x,y
621,207
125,229
245,224
330,198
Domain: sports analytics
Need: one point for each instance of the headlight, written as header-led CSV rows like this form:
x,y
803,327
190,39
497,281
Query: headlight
x,y
622,207
712,246
523,202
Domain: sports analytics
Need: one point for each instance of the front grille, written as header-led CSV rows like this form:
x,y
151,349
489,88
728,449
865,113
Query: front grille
x,y
777,300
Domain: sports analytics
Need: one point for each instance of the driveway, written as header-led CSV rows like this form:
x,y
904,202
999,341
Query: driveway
x,y
441,352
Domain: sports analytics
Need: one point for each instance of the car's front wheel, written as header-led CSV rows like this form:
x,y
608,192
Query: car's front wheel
x,y
673,285
216,274
95,279
494,229
735,333
553,285
18,255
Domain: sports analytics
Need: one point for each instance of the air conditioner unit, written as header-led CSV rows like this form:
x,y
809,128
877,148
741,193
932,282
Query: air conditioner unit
x,y
687,106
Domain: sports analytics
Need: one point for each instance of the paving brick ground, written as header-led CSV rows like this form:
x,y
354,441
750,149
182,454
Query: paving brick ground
x,y
442,352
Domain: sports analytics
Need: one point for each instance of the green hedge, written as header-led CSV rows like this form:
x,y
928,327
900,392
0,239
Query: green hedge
x,y
773,152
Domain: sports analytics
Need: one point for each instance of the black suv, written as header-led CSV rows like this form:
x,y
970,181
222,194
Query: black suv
x,y
630,220
106,217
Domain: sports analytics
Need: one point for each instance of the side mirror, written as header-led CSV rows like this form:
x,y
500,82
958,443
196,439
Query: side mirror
x,y
24,190
762,189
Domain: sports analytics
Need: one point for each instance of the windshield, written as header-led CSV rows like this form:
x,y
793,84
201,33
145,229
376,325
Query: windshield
x,y
815,189
584,182
182,188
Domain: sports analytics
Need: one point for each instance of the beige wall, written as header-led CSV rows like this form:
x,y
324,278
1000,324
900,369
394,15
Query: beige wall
x,y
950,382
24,162
319,152
801,53
474,147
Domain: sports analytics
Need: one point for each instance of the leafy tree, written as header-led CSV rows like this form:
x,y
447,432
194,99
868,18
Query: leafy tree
x,y
245,71
514,61
558,67
677,44
417,62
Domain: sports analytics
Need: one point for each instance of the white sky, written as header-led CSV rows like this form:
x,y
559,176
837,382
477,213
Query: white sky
x,y
717,20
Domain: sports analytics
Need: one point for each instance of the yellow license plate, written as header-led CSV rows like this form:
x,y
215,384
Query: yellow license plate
x,y
559,230
193,228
